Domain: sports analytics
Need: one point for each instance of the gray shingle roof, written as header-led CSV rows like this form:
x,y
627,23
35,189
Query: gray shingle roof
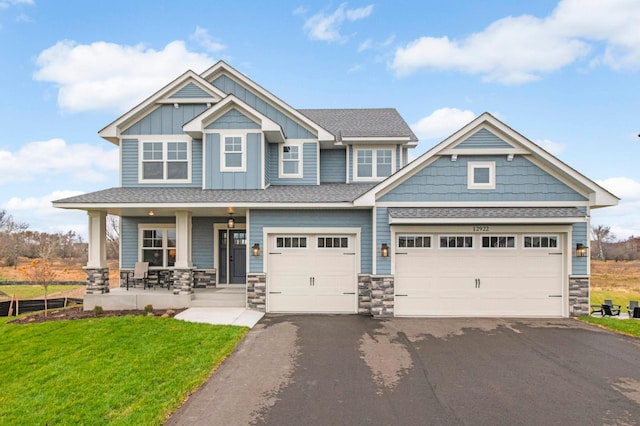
x,y
485,212
364,122
325,193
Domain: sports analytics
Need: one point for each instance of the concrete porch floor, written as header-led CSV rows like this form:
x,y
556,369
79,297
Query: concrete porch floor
x,y
161,298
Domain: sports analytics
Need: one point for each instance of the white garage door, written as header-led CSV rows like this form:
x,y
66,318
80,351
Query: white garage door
x,y
479,275
312,273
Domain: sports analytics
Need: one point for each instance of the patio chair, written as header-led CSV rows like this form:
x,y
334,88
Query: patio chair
x,y
609,309
635,312
632,305
165,277
141,274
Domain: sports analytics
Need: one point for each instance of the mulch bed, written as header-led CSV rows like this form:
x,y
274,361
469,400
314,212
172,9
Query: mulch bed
x,y
75,313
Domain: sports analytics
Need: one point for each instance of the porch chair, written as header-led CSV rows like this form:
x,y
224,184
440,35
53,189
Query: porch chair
x,y
609,309
630,309
166,278
141,274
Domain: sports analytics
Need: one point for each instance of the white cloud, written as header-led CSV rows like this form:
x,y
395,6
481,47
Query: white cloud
x,y
39,203
46,159
204,39
327,27
442,123
552,147
623,219
623,187
365,45
5,4
516,50
109,76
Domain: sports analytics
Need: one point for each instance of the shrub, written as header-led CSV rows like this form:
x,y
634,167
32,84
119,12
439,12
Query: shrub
x,y
97,310
148,309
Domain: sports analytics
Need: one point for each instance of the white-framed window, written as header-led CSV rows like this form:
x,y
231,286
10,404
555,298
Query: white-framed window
x,y
158,245
165,160
333,242
499,241
291,242
540,241
233,153
481,175
414,241
291,161
373,163
456,241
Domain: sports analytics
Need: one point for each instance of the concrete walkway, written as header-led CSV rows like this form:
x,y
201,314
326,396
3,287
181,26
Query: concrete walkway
x,y
222,316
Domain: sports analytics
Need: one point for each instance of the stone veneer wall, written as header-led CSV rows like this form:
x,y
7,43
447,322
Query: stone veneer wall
x,y
204,278
382,300
182,280
257,292
578,296
97,280
364,294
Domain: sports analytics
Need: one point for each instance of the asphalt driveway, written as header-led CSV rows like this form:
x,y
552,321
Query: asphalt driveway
x,y
334,370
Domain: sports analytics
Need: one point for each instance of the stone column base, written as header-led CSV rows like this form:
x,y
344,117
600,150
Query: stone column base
x,y
578,296
257,292
183,279
97,280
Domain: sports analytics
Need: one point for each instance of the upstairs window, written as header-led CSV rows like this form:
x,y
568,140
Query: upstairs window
x,y
481,175
373,164
291,161
165,161
233,154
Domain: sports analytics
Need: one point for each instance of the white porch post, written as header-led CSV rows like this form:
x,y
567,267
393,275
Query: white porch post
x,y
183,267
97,267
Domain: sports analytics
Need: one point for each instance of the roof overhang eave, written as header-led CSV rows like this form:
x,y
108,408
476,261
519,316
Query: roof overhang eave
x,y
483,220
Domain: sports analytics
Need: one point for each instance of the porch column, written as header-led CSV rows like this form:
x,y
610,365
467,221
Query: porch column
x,y
183,269
97,267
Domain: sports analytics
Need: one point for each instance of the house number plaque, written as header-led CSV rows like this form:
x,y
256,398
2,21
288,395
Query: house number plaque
x,y
483,228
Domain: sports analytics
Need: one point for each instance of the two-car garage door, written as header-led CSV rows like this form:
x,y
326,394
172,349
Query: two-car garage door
x,y
510,274
312,273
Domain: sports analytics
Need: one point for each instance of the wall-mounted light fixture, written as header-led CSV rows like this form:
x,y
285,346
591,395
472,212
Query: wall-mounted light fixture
x,y
384,250
151,213
582,250
256,249
176,105
231,222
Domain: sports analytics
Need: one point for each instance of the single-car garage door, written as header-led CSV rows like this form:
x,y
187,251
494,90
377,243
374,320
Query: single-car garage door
x,y
479,275
312,273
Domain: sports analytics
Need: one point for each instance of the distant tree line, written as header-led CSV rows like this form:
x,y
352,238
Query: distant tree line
x,y
605,245
16,240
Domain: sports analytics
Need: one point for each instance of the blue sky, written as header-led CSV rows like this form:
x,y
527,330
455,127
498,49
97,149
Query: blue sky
x,y
565,74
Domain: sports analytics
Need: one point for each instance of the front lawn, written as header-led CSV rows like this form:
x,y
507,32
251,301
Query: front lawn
x,y
117,370
630,326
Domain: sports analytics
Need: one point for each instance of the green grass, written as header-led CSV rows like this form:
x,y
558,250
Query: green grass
x,y
621,298
630,327
129,370
29,291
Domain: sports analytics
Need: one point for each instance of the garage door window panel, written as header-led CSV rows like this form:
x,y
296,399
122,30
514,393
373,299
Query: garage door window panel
x,y
414,241
333,242
540,241
498,241
292,242
456,241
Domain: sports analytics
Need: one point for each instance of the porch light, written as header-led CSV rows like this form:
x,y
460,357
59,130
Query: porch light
x,y
231,223
581,250
151,213
256,249
384,250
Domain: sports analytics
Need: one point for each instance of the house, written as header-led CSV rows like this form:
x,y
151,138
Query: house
x,y
320,210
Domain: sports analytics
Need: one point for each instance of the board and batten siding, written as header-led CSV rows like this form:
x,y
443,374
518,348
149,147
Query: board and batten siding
x,y
249,179
383,235
309,166
298,220
191,90
483,139
516,180
291,129
333,165
130,166
165,120
579,234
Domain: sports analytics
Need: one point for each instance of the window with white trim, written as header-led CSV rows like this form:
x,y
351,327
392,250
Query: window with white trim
x,y
540,241
233,153
498,241
414,241
158,246
481,175
291,161
291,242
165,161
373,163
456,241
333,242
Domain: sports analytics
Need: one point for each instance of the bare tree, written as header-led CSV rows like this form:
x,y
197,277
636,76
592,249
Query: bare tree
x,y
601,235
10,237
113,237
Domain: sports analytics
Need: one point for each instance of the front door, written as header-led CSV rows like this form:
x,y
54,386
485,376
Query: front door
x,y
232,256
